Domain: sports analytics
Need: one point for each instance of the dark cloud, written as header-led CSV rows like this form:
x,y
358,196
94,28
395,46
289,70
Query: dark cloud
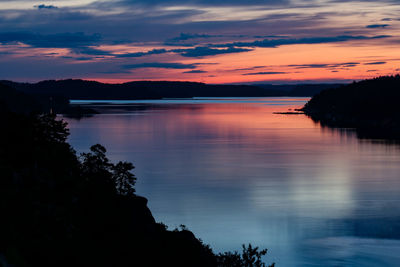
x,y
6,53
195,71
167,43
83,58
190,52
40,68
308,40
374,26
375,63
155,24
43,6
323,66
114,72
206,64
141,54
59,40
266,73
79,58
201,51
251,68
188,36
160,65
271,36
90,51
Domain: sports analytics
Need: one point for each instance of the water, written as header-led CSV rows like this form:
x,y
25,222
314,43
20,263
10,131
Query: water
x,y
234,172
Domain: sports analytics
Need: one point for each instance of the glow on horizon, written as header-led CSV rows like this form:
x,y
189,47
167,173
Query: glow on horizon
x,y
120,41
233,67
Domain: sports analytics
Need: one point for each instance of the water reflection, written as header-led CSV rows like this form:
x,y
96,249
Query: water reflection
x,y
235,172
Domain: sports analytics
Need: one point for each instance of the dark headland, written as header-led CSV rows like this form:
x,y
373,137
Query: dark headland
x,y
60,209
371,107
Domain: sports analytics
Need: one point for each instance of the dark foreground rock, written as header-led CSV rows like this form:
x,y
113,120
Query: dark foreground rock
x,y
62,209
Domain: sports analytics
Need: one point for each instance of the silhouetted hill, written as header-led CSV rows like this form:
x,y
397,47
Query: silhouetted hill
x,y
25,102
370,106
81,89
59,209
17,101
62,209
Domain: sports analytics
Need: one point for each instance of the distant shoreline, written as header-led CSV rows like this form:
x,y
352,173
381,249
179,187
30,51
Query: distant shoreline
x,y
90,90
179,100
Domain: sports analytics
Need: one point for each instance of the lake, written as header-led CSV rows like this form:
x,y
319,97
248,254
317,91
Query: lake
x,y
235,172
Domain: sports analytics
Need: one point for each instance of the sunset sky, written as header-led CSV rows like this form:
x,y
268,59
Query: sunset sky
x,y
236,41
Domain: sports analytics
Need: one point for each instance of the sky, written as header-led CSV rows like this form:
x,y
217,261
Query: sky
x,y
212,41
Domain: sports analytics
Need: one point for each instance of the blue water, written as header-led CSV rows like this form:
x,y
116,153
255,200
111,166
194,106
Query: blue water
x,y
235,172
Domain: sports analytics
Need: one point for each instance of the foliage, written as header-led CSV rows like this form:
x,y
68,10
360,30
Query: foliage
x,y
369,106
54,131
95,164
250,257
60,209
124,179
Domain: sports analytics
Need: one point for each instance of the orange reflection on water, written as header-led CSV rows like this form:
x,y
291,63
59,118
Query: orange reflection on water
x,y
251,121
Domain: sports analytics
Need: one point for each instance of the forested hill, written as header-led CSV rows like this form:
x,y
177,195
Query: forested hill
x,y
370,106
82,89
59,208
20,102
17,101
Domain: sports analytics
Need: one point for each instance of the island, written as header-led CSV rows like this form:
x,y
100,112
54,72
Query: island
x,y
371,107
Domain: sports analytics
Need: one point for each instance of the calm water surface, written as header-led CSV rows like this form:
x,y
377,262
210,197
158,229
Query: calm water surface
x,y
234,172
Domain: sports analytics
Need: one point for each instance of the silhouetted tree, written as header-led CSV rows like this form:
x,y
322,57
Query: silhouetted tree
x,y
96,161
250,257
229,259
53,130
123,178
